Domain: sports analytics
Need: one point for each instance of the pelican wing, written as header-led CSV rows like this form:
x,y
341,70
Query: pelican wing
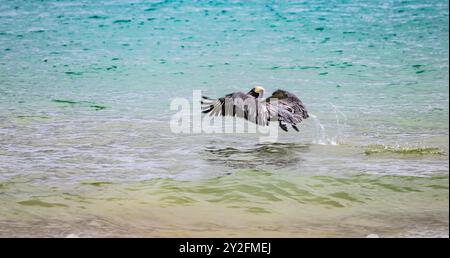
x,y
289,108
238,104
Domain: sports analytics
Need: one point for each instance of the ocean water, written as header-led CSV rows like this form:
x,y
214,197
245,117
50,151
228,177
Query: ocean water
x,y
86,148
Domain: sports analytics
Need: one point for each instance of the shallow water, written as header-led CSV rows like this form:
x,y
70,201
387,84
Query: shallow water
x,y
245,203
86,148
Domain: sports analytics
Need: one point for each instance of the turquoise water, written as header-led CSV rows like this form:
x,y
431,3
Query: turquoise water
x,y
86,148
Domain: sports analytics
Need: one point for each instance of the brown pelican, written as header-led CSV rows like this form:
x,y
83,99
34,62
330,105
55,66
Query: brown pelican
x,y
282,106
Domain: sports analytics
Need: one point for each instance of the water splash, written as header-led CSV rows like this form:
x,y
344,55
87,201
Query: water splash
x,y
339,126
320,135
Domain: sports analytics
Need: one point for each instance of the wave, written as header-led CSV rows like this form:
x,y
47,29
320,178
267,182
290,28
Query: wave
x,y
383,149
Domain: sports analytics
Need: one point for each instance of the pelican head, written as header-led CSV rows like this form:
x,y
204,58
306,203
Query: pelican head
x,y
257,92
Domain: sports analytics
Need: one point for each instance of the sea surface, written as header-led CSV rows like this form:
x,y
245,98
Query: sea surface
x,y
86,148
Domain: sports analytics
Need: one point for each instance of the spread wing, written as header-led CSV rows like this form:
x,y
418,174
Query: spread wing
x,y
290,108
239,104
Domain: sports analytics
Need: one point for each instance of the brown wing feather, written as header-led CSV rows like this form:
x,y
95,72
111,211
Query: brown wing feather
x,y
290,108
238,104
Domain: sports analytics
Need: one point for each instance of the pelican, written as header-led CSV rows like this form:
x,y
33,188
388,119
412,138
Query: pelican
x,y
283,106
